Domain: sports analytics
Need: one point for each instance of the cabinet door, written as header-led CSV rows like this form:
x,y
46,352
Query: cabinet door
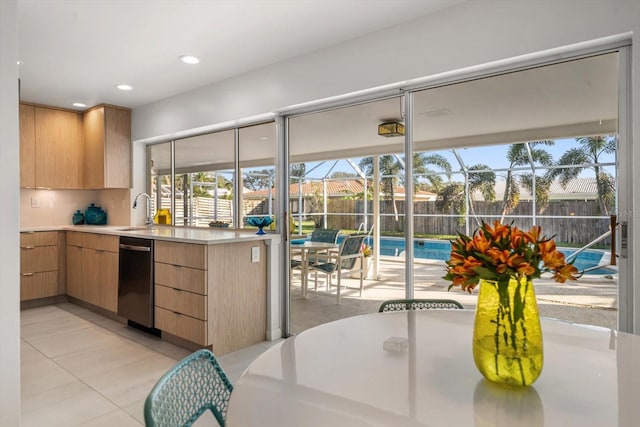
x,y
91,276
27,146
108,280
107,132
59,150
74,272
117,150
93,122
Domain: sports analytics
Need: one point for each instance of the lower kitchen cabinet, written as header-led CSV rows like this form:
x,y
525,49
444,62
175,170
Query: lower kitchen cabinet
x,y
92,269
39,265
211,295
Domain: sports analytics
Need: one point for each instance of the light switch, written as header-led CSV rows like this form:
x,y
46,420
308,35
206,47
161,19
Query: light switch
x,y
35,203
255,254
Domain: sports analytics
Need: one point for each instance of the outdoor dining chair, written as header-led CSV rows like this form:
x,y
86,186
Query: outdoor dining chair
x,y
419,304
196,384
350,250
326,235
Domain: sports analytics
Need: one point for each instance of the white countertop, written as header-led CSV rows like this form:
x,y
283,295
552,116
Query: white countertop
x,y
204,236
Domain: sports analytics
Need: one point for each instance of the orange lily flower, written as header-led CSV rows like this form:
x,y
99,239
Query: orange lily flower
x,y
553,259
565,273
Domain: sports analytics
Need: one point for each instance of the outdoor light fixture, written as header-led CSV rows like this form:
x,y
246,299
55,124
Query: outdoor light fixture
x,y
389,129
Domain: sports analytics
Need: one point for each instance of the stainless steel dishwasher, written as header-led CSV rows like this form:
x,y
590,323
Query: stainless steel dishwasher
x,y
135,284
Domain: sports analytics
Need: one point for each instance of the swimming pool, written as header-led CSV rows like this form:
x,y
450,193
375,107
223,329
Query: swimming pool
x,y
441,250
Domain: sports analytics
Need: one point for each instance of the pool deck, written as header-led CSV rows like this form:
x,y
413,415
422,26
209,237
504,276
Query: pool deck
x,y
591,300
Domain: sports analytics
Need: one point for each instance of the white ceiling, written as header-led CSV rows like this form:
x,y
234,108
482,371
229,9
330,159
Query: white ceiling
x,y
77,51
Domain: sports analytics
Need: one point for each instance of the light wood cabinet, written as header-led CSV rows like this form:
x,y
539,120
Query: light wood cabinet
x,y
92,269
70,150
39,265
58,148
27,146
211,295
107,132
74,271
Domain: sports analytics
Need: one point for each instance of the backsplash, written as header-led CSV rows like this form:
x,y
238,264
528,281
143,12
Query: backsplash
x,y
42,208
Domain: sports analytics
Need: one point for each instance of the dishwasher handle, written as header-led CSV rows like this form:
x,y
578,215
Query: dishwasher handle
x,y
135,248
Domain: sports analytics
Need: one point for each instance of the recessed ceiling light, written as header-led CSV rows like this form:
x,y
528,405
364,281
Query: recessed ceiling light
x,y
124,87
189,59
20,62
264,138
79,104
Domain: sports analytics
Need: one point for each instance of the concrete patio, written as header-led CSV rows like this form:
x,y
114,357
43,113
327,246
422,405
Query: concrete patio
x,y
590,300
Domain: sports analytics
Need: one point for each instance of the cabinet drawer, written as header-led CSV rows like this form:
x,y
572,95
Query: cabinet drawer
x,y
40,238
185,278
74,238
183,302
185,254
38,285
101,242
38,258
182,326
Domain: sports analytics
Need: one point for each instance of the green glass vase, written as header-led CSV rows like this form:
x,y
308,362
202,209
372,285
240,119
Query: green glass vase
x,y
507,339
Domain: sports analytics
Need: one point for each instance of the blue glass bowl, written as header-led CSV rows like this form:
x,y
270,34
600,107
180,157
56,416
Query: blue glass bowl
x,y
260,222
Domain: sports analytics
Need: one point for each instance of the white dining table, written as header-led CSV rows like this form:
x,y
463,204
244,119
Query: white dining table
x,y
416,369
304,250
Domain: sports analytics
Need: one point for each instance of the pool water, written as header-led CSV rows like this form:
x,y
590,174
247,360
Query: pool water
x,y
441,250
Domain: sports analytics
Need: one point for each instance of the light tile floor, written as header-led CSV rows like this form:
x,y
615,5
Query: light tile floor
x,y
82,369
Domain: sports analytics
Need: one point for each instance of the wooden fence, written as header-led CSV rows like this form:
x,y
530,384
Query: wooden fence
x,y
573,229
570,221
204,209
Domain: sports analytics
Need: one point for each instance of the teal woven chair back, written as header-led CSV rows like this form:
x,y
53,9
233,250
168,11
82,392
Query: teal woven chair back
x,y
326,235
351,246
419,304
185,392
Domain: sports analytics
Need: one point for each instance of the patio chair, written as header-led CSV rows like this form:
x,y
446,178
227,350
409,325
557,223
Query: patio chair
x,y
345,259
196,384
326,235
419,304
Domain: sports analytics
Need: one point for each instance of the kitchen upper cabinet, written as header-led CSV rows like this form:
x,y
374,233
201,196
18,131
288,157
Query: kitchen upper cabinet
x,y
58,148
107,131
64,149
27,145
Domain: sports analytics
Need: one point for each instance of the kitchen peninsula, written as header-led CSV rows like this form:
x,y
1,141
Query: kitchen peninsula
x,y
212,287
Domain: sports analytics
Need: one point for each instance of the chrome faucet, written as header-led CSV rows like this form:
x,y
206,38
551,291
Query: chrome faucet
x,y
149,220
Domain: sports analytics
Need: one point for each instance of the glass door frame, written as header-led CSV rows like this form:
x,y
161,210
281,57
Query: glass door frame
x,y
628,299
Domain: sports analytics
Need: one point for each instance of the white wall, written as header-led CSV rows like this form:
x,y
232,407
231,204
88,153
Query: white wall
x,y
9,213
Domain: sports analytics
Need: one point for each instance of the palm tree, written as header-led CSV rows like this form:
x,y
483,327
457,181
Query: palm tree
x,y
420,166
588,156
451,197
200,190
518,155
391,166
